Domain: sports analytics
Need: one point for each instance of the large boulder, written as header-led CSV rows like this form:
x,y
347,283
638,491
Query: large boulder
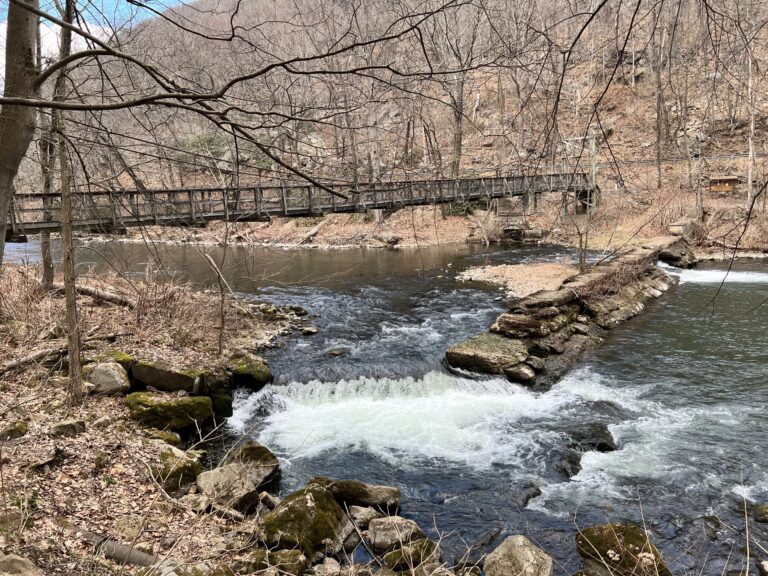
x,y
177,470
619,550
487,353
391,532
107,378
353,493
249,371
123,358
519,556
309,520
236,484
162,377
168,411
675,251
17,566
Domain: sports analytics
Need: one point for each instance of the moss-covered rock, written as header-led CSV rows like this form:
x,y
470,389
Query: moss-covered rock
x,y
413,554
162,377
14,430
221,403
254,453
123,358
487,353
619,550
761,513
353,493
217,385
167,436
309,520
177,470
67,428
260,559
249,371
168,412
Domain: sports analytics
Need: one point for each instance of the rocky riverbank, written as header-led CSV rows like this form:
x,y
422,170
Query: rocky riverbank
x,y
115,496
543,334
140,479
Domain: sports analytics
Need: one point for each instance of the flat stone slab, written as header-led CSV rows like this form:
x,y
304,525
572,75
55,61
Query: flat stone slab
x,y
487,354
547,298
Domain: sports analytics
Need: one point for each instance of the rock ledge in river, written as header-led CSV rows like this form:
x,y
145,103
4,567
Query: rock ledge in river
x,y
487,353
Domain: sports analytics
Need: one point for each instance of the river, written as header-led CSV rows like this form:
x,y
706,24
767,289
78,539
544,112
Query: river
x,y
682,388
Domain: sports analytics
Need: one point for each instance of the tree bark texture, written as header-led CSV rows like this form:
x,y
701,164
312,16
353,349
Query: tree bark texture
x,y
17,123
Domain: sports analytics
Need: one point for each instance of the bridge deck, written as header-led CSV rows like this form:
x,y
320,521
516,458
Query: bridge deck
x,y
33,213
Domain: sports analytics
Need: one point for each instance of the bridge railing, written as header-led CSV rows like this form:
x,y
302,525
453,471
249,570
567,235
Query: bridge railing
x,y
134,207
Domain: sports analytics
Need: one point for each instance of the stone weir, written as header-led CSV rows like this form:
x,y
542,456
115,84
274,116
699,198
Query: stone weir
x,y
542,335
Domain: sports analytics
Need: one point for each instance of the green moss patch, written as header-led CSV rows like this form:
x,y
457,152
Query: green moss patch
x,y
304,521
168,412
624,549
249,371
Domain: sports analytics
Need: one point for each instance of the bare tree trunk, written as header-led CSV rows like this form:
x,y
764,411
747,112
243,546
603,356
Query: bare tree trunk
x,y
659,104
458,127
751,107
17,123
47,163
70,289
47,152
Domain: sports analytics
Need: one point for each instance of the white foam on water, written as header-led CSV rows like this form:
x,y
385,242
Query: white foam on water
x,y
649,442
586,384
587,489
752,491
426,332
715,276
438,416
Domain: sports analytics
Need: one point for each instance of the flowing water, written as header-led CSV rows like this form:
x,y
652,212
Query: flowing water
x,y
682,388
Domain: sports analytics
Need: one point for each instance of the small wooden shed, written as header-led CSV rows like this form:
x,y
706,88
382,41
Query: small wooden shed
x,y
725,184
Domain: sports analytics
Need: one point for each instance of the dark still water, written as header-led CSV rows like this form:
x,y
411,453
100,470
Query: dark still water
x,y
683,388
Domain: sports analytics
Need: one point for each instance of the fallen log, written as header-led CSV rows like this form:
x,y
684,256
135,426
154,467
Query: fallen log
x,y
313,232
39,356
112,549
50,354
97,294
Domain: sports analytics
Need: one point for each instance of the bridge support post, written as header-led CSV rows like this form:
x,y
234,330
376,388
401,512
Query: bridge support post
x,y
193,206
